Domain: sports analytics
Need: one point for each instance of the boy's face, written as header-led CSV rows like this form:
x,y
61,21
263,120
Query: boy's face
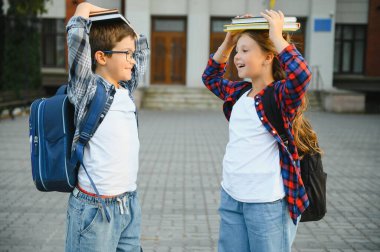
x,y
119,66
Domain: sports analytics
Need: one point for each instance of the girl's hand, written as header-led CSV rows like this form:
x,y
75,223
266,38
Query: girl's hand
x,y
276,24
229,41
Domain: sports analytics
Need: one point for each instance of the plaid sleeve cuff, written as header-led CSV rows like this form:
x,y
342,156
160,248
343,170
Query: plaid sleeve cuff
x,y
288,52
216,65
79,22
142,56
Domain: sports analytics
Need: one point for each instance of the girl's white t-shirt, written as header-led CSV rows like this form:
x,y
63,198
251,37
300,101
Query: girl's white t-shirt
x,y
251,164
111,156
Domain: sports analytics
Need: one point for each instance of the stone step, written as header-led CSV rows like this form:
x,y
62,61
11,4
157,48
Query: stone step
x,y
180,97
314,101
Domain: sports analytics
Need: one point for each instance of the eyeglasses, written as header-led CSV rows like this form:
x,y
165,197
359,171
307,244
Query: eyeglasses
x,y
129,55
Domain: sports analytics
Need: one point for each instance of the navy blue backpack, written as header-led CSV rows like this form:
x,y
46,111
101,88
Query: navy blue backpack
x,y
51,125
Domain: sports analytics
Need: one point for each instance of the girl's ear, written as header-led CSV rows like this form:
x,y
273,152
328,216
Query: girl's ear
x,y
269,58
100,58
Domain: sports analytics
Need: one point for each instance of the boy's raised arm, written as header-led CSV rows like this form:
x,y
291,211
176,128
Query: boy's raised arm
x,y
79,52
142,56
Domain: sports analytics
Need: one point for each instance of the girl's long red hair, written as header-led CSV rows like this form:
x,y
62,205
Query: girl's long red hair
x,y
305,137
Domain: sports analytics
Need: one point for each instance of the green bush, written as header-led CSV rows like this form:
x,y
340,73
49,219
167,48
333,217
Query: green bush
x,y
2,36
21,55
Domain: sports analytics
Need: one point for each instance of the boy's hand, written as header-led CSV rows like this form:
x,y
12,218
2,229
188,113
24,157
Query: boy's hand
x,y
276,24
84,9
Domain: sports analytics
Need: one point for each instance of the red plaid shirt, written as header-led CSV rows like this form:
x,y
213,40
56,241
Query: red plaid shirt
x,y
289,93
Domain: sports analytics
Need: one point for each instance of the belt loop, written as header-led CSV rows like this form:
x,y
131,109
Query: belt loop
x,y
126,206
102,210
120,203
75,192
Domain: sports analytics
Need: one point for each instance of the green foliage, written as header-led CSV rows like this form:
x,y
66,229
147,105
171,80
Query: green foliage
x,y
21,57
24,8
2,36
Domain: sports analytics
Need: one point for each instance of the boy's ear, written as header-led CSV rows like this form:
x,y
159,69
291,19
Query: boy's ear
x,y
100,58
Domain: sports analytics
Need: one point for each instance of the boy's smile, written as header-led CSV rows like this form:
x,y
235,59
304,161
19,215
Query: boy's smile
x,y
118,66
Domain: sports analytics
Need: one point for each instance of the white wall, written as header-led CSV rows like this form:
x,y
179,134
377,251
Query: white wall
x,y
352,11
238,7
293,7
255,7
320,45
169,7
55,9
227,8
114,4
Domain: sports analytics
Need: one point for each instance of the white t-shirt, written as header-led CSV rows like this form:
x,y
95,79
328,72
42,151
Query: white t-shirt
x,y
111,156
251,164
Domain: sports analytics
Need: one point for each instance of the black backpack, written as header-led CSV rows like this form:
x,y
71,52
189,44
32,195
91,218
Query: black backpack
x,y
313,176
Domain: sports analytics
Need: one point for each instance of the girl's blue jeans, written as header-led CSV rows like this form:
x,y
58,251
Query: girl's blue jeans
x,y
255,227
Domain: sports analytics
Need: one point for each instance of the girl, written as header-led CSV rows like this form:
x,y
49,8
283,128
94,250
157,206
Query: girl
x,y
262,193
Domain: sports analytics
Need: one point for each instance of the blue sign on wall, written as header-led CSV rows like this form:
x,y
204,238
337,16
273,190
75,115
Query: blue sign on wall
x,y
322,24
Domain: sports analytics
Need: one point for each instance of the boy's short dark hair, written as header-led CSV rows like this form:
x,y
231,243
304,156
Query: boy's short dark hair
x,y
105,35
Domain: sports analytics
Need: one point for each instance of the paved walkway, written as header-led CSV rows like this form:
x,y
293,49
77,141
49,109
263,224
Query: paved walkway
x,y
181,155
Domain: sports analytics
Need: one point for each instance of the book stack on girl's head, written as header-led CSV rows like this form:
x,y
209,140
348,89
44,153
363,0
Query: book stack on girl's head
x,y
259,23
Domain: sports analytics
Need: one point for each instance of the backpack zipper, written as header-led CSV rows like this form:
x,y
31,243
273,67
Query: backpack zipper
x,y
39,142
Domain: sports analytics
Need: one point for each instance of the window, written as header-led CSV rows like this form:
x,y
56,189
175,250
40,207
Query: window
x,y
53,42
349,51
169,25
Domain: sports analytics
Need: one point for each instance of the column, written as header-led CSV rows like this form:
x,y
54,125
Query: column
x,y
320,39
138,13
198,41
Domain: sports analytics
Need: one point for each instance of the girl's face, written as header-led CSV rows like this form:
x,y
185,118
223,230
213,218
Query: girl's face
x,y
249,59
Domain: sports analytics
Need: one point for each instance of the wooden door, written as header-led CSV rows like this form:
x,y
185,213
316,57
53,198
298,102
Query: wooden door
x,y
168,61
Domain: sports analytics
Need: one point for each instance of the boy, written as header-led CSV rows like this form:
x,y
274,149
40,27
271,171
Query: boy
x,y
108,53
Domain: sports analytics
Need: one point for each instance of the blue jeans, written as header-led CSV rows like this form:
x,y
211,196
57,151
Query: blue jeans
x,y
254,227
89,230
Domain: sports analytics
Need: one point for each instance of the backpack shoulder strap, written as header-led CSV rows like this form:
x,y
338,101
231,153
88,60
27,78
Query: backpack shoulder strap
x,y
273,112
88,128
62,90
89,123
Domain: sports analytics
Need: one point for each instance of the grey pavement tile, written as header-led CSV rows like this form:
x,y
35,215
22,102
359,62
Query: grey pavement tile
x,y
179,180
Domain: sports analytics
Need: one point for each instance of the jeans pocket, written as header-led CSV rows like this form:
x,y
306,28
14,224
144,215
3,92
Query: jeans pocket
x,y
90,216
